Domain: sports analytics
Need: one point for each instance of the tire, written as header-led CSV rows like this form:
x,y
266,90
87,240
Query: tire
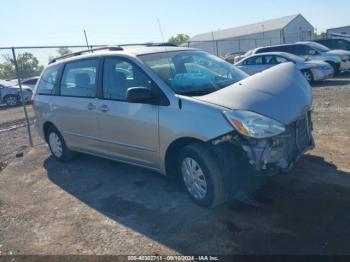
x,y
308,76
12,100
57,145
207,189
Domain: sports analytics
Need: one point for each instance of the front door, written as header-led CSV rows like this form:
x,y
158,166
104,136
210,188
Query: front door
x,y
127,131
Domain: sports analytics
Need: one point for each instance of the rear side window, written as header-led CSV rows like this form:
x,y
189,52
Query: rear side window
x,y
79,79
302,50
265,50
47,84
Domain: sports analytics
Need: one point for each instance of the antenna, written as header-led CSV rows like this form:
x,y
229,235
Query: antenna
x,y
160,30
86,40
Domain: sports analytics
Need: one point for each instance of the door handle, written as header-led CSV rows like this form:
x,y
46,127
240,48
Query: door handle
x,y
91,106
104,108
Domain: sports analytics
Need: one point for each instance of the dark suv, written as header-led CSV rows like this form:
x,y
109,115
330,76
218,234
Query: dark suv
x,y
335,43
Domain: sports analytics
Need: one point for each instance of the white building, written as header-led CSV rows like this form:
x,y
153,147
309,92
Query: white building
x,y
287,29
344,30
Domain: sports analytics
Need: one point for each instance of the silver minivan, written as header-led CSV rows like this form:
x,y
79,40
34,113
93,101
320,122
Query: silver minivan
x,y
179,111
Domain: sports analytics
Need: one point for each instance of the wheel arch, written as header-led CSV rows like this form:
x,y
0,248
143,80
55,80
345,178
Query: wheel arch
x,y
47,125
172,153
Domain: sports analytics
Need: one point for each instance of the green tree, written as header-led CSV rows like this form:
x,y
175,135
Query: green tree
x,y
28,65
60,52
179,39
64,51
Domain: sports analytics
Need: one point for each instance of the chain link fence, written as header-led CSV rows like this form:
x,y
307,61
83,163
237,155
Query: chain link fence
x,y
17,131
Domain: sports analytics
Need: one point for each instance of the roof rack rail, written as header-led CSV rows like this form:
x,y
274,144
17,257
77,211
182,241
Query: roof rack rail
x,y
150,44
91,50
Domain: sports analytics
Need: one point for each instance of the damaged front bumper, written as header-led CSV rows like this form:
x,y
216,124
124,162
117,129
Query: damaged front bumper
x,y
279,153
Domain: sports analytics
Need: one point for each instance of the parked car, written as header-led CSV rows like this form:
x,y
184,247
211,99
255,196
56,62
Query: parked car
x,y
313,70
177,111
338,59
335,43
10,94
30,82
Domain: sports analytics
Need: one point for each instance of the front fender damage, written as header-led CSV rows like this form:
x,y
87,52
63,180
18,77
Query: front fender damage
x,y
276,154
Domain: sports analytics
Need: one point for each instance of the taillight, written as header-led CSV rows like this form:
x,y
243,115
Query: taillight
x,y
32,99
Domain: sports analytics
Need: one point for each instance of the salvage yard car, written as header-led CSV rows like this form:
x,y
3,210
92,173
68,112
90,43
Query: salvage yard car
x,y
10,93
178,111
313,70
338,59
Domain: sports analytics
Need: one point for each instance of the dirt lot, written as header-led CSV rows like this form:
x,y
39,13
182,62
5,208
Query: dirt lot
x,y
96,206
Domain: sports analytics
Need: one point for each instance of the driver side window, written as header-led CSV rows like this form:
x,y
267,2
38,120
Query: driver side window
x,y
119,74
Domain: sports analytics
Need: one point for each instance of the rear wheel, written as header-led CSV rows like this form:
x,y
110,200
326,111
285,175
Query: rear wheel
x,y
201,175
57,145
308,75
12,100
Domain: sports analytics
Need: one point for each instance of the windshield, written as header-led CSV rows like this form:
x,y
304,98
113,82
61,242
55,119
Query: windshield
x,y
319,47
193,72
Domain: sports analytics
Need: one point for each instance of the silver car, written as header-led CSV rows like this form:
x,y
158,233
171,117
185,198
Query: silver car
x,y
181,112
338,59
313,70
10,93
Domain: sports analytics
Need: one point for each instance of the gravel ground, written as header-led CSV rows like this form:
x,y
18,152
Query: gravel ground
x,y
96,206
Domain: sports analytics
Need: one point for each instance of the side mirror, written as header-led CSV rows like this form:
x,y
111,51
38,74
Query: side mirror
x,y
139,95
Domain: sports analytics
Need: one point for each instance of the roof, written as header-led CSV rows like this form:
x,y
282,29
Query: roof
x,y
268,25
131,50
341,27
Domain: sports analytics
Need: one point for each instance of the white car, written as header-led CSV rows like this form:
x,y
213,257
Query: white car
x,y
10,94
30,82
338,59
313,70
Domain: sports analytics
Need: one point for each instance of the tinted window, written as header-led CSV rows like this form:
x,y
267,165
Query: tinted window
x,y
119,75
302,50
79,79
47,84
341,44
31,82
267,49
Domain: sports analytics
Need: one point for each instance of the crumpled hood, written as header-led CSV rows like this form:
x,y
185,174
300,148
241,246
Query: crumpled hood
x,y
339,52
281,93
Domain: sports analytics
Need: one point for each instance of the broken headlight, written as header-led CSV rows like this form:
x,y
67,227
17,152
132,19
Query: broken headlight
x,y
254,125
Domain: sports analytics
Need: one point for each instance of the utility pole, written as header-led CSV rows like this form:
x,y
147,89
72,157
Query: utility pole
x,y
22,98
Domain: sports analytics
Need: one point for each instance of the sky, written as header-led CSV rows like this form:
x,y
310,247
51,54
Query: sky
x,y
43,22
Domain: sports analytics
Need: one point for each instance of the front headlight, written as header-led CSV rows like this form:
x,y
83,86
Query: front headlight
x,y
254,125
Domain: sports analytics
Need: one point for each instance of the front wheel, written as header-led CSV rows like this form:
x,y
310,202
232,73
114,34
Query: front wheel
x,y
201,175
308,76
57,145
12,100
